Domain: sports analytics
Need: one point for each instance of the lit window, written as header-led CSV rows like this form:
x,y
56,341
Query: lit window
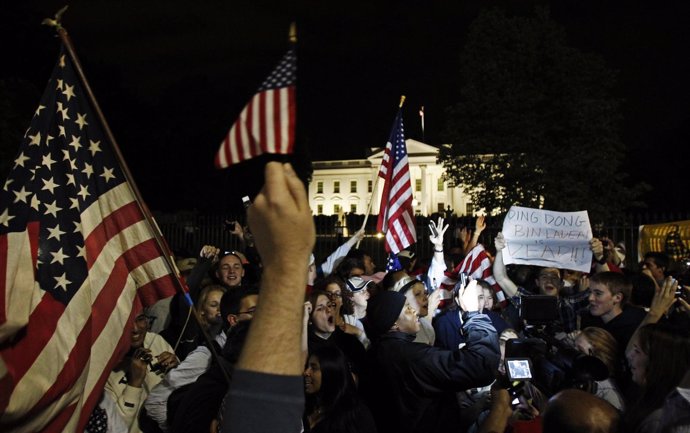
x,y
353,186
439,187
319,209
370,186
469,209
418,185
353,208
336,186
319,187
336,209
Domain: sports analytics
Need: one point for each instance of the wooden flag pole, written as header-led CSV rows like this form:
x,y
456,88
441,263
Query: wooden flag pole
x,y
167,254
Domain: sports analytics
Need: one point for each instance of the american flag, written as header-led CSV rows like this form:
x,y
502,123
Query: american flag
x,y
78,262
267,122
396,218
477,265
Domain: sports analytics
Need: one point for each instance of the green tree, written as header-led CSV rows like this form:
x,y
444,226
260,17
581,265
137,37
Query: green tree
x,y
536,124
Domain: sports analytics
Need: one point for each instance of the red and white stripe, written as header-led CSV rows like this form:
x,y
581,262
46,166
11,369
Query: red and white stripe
x,y
52,373
395,213
477,265
266,125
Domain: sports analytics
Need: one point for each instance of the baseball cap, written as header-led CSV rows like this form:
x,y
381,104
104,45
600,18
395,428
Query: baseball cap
x,y
355,284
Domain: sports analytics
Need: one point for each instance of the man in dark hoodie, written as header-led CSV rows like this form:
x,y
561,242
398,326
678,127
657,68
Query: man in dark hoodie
x,y
411,386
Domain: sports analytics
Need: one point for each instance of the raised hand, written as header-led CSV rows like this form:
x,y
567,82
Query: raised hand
x,y
437,231
469,297
280,218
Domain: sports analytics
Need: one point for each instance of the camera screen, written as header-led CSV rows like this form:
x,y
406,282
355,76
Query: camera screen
x,y
519,368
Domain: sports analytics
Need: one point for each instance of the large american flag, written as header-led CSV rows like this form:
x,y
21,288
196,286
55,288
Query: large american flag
x,y
78,262
396,217
267,122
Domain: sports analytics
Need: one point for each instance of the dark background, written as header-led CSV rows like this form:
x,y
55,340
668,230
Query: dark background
x,y
172,76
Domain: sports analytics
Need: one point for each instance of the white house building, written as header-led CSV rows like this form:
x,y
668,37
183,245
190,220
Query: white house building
x,y
347,186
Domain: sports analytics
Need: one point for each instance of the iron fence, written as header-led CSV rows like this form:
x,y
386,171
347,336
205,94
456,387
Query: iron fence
x,y
187,232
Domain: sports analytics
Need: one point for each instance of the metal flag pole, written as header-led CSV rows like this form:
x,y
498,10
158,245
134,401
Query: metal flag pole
x,y
421,115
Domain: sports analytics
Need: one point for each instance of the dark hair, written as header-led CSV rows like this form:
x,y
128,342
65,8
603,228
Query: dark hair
x,y
643,289
313,296
539,270
337,397
391,278
347,265
357,253
485,285
615,282
662,260
346,295
668,350
231,300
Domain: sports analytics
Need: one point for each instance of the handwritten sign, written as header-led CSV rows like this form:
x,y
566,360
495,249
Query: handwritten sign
x,y
547,238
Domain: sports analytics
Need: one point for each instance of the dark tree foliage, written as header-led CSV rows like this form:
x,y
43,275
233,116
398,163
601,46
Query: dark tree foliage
x,y
536,124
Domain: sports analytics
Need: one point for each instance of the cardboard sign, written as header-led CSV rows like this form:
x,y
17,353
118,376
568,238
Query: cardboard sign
x,y
547,238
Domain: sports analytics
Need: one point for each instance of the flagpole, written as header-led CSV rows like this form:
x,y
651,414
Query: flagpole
x,y
118,155
371,201
421,114
376,181
167,254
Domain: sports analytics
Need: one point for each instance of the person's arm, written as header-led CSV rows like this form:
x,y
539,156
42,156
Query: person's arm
x,y
599,255
328,265
207,257
499,268
472,366
438,263
305,333
499,414
284,235
268,375
128,398
664,298
479,227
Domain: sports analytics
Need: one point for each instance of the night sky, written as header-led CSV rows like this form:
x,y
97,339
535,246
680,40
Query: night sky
x,y
172,76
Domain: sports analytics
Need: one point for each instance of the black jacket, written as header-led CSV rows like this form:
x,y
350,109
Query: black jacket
x,y
410,386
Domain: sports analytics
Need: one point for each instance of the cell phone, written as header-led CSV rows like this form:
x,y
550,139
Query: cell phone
x,y
519,369
246,202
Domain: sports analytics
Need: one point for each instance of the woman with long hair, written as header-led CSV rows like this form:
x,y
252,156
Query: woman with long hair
x,y
659,356
599,343
340,296
332,404
323,332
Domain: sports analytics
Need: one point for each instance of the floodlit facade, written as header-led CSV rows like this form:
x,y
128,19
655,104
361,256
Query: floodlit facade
x,y
347,186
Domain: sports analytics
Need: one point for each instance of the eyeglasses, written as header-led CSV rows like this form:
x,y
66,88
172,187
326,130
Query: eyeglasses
x,y
336,294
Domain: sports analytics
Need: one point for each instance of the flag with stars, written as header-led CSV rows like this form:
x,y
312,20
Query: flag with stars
x,y
396,217
78,262
267,122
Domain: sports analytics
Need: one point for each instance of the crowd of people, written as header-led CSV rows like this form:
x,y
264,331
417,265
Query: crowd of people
x,y
280,342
